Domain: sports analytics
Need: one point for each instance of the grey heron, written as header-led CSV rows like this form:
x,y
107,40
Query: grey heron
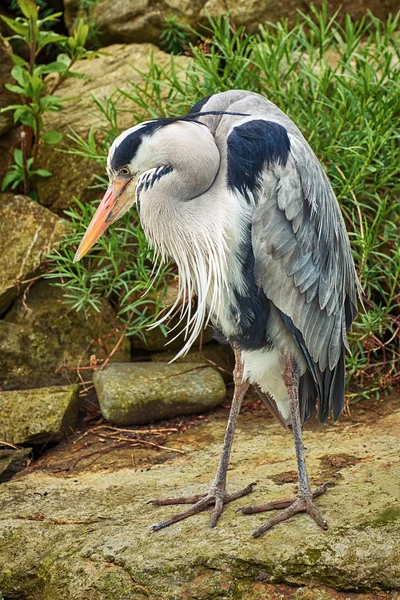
x,y
234,194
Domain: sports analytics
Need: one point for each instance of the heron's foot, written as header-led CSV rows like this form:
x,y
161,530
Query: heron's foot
x,y
216,495
302,503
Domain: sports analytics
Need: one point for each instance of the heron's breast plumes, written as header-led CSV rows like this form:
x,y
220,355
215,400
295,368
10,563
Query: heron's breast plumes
x,y
197,243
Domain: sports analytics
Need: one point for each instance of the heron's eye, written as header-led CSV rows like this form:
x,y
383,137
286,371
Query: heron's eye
x,y
124,171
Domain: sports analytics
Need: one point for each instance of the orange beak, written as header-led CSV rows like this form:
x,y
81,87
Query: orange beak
x,y
113,205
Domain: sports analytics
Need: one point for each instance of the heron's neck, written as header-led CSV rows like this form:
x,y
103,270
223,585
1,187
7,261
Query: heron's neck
x,y
188,214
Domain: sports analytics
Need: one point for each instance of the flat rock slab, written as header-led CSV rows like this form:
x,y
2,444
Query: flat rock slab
x,y
136,393
38,416
85,535
27,234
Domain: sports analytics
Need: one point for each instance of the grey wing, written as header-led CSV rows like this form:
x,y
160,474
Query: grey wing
x,y
302,254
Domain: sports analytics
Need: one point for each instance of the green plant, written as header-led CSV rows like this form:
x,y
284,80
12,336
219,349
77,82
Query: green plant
x,y
15,175
175,35
36,99
111,274
340,84
94,29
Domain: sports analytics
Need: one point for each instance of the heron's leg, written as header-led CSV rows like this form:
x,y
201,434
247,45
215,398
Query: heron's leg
x,y
216,494
304,499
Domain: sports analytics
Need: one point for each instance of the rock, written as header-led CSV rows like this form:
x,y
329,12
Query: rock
x,y
42,340
126,22
103,76
84,535
216,356
155,341
135,393
27,233
13,460
38,416
6,97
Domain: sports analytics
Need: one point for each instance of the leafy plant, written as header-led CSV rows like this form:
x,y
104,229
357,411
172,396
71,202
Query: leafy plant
x,y
36,99
175,35
111,274
94,29
15,175
340,84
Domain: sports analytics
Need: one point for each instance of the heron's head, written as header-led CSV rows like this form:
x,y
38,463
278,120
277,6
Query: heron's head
x,y
146,155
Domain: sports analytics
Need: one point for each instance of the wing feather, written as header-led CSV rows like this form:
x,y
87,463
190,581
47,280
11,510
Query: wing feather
x,y
302,254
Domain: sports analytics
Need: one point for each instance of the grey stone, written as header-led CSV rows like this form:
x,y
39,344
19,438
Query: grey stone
x,y
43,341
142,21
27,233
84,534
38,416
12,460
134,393
217,356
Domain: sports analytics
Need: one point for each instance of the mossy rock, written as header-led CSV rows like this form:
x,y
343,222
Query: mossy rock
x,y
136,393
38,416
43,342
28,232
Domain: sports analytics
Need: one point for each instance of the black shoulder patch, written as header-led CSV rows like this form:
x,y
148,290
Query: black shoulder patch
x,y
250,147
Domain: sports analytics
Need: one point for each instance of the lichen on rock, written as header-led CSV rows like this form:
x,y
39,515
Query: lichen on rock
x,y
38,416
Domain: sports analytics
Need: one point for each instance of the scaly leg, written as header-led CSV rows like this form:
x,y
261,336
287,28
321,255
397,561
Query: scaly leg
x,y
217,493
304,499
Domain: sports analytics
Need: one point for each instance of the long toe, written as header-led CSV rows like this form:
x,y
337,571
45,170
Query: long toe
x,y
216,496
298,506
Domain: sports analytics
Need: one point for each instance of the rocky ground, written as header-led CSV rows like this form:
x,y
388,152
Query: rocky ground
x,y
78,528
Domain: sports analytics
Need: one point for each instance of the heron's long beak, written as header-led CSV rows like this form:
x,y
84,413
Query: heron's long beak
x,y
113,205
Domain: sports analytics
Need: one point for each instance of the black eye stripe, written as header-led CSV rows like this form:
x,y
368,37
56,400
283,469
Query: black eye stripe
x,y
147,180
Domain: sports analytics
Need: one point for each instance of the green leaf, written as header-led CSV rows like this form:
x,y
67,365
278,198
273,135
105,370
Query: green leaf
x,y
64,58
51,137
14,88
18,157
17,26
49,37
26,118
19,61
19,74
50,103
9,178
43,173
28,8
54,67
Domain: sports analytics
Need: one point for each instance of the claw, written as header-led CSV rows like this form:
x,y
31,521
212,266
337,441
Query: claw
x,y
291,508
215,495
